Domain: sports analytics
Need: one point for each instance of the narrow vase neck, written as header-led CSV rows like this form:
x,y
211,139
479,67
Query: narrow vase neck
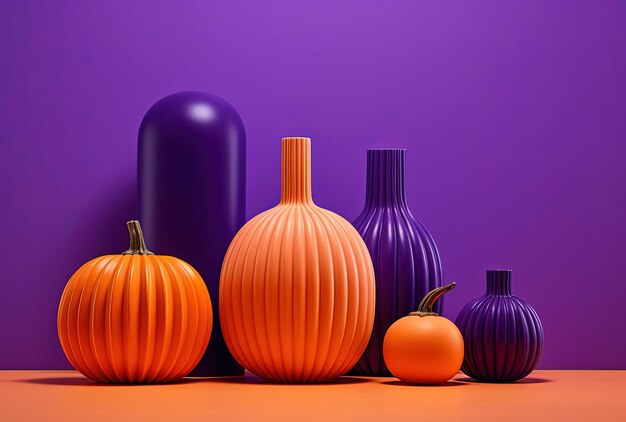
x,y
296,171
499,282
385,177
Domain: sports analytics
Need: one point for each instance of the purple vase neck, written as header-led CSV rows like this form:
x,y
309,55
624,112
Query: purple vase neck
x,y
499,282
385,177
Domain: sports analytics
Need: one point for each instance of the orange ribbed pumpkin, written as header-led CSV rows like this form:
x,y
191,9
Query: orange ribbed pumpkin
x,y
297,285
135,317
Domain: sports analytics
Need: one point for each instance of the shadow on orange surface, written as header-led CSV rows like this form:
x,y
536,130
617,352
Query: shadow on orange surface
x,y
246,379
251,379
81,381
528,380
405,384
76,381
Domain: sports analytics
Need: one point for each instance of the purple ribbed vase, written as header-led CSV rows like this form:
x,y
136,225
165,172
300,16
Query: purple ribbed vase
x,y
406,261
503,334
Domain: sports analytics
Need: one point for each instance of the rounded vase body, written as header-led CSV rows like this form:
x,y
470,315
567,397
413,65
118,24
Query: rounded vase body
x,y
191,167
405,257
297,288
503,334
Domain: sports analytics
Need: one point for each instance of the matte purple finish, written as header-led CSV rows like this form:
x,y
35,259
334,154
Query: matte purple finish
x,y
192,193
512,113
405,257
503,334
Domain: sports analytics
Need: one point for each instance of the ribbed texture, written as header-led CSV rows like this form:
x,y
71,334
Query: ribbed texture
x,y
135,319
405,257
499,282
503,335
296,170
297,286
385,178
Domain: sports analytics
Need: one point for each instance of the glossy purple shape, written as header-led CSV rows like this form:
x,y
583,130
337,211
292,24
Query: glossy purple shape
x,y
503,334
191,186
405,257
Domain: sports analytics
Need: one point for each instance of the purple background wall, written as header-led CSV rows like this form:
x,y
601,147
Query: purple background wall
x,y
514,116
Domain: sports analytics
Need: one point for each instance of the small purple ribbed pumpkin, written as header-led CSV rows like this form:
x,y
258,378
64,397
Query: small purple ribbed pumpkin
x,y
503,334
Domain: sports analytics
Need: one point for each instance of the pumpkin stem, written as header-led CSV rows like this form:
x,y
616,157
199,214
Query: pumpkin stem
x,y
426,305
137,243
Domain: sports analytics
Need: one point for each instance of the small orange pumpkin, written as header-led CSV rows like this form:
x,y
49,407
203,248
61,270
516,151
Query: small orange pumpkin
x,y
424,348
135,317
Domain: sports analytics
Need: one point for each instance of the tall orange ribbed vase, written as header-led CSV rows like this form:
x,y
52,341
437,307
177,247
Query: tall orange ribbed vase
x,y
297,287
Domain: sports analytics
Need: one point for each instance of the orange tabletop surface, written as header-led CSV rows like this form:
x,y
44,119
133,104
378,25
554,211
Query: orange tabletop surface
x,y
545,395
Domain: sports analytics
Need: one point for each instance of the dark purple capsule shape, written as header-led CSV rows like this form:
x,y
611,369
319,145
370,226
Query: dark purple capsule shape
x,y
405,257
191,188
503,334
